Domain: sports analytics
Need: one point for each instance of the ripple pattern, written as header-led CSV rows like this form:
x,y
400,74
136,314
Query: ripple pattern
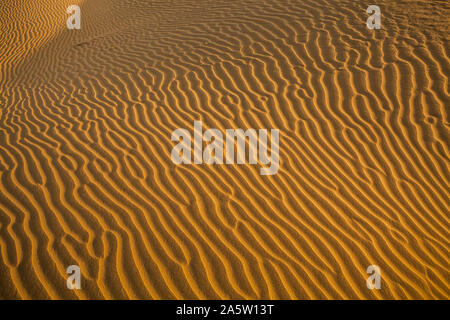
x,y
86,176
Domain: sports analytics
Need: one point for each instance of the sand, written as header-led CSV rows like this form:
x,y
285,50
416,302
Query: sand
x,y
86,176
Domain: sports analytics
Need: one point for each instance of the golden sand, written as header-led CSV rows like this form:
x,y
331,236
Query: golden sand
x,y
86,176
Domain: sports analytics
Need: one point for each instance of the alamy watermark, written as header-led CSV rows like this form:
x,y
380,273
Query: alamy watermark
x,y
74,280
74,20
374,281
374,21
213,153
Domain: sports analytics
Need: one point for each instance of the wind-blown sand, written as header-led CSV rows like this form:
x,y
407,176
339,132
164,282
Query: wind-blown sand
x,y
86,176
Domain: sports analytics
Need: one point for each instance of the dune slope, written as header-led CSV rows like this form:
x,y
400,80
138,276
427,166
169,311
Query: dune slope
x,y
86,176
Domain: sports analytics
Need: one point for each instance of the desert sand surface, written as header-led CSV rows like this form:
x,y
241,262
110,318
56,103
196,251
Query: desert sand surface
x,y
86,176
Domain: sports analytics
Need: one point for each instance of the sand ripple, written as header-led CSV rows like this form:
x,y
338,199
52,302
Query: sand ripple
x,y
85,170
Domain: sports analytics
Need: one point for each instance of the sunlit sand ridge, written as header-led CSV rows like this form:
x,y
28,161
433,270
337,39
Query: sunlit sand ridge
x,y
86,176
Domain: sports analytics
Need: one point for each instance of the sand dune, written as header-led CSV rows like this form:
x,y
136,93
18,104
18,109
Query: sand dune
x,y
86,176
